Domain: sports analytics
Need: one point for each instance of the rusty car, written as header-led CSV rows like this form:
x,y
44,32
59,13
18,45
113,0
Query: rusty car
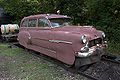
x,y
54,35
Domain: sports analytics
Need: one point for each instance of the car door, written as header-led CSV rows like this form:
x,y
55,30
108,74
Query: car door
x,y
40,37
23,33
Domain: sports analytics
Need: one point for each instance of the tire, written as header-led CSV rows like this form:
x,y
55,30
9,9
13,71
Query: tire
x,y
7,39
78,65
84,68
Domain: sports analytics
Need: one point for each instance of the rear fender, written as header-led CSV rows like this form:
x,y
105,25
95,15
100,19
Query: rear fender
x,y
23,38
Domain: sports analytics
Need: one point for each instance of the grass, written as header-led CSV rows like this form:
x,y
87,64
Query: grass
x,y
23,65
5,50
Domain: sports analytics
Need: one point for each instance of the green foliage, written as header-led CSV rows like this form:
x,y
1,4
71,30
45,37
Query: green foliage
x,y
113,47
73,8
103,14
20,8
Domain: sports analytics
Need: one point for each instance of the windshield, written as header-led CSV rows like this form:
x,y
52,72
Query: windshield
x,y
59,22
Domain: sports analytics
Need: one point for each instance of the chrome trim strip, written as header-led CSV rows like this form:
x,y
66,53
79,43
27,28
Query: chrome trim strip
x,y
60,41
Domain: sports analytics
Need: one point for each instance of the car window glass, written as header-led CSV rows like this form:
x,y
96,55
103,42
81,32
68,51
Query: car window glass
x,y
32,23
60,22
43,22
24,23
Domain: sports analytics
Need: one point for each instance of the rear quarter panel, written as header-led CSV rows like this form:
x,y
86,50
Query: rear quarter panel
x,y
23,36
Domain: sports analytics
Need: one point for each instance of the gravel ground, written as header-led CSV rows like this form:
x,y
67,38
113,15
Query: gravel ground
x,y
105,71
4,71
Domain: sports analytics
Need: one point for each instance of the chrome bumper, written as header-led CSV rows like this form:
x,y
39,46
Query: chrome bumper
x,y
86,54
99,50
92,56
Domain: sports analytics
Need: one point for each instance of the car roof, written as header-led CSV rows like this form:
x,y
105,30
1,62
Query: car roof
x,y
49,16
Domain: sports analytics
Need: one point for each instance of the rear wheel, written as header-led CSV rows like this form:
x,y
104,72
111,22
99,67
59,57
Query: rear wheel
x,y
7,39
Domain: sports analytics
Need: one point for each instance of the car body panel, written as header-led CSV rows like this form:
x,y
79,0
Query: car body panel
x,y
39,38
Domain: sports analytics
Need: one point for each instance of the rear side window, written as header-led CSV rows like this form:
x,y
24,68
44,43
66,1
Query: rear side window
x,y
32,23
43,22
24,23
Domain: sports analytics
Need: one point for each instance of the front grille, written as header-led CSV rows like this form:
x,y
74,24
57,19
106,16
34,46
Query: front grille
x,y
94,42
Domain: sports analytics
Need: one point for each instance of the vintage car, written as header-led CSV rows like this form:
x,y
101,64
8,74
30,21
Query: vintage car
x,y
54,36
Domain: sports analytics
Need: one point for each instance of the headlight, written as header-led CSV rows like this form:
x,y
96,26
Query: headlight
x,y
103,34
83,39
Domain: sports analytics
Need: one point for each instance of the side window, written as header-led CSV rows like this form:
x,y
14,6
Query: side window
x,y
32,23
24,23
43,22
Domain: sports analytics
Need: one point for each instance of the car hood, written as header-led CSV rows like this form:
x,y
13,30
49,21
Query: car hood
x,y
80,30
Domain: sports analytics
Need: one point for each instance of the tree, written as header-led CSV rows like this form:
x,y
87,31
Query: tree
x,y
20,8
105,15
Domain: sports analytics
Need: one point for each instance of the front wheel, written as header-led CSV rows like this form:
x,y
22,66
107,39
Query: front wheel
x,y
79,66
85,67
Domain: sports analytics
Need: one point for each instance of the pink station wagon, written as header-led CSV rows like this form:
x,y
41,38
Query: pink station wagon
x,y
54,36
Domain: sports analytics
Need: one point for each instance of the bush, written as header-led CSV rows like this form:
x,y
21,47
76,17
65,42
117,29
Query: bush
x,y
105,15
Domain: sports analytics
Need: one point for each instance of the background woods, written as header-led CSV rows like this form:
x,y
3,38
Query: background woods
x,y
103,14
